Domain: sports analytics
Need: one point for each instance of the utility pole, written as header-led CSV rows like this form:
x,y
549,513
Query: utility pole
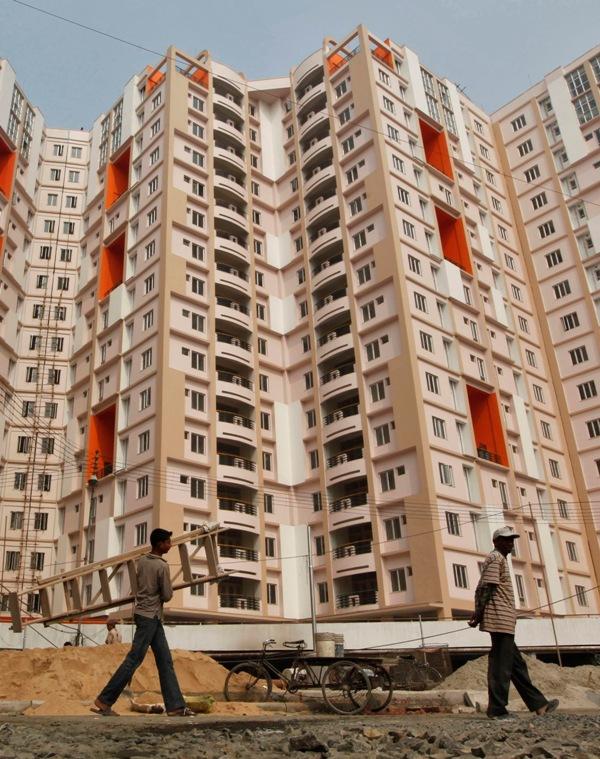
x,y
313,616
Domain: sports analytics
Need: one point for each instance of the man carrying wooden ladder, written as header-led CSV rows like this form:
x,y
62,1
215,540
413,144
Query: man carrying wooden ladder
x,y
153,590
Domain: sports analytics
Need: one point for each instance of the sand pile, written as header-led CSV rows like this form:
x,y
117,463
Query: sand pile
x,y
549,678
65,677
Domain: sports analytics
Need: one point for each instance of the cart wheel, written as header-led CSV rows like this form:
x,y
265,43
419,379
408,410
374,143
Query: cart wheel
x,y
248,681
346,688
382,688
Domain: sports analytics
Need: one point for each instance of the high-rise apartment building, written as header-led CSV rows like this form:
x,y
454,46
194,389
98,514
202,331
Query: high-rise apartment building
x,y
307,301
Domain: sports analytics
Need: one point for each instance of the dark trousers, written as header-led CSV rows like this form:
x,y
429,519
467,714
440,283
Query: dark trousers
x,y
505,665
149,633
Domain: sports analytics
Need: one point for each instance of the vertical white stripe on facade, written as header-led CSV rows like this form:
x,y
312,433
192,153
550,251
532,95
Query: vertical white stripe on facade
x,y
527,449
7,83
416,82
499,306
291,465
294,571
279,249
486,244
282,313
594,227
567,118
548,559
272,152
461,130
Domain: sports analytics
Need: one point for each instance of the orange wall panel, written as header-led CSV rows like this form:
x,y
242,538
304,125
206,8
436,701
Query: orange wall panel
x,y
334,62
487,424
8,160
202,77
384,55
153,81
436,149
101,441
112,261
117,178
454,240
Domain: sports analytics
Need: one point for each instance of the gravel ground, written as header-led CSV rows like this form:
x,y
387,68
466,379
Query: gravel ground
x,y
439,736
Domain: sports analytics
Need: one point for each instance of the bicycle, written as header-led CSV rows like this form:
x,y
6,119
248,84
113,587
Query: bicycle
x,y
410,674
345,687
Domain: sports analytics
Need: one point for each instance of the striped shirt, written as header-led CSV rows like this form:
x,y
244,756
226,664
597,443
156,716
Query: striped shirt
x,y
499,613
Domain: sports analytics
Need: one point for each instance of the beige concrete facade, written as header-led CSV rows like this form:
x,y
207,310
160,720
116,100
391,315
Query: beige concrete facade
x,y
298,302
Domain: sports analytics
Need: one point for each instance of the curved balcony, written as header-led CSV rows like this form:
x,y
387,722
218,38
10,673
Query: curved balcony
x,y
233,312
238,552
229,157
325,240
322,177
360,598
310,70
349,502
235,601
234,387
312,123
342,421
238,514
354,557
346,464
335,341
224,244
235,427
229,184
328,270
233,348
351,507
322,208
311,98
338,380
236,469
228,106
332,304
224,84
231,277
316,151
231,216
229,132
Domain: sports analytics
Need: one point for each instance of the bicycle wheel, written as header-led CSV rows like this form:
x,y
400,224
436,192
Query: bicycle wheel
x,y
422,677
248,681
431,677
382,688
346,688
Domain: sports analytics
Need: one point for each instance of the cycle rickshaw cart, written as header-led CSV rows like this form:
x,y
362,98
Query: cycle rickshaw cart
x,y
348,686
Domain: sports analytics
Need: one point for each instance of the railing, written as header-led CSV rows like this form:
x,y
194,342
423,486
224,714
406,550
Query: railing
x,y
227,504
344,457
227,601
361,598
228,416
335,373
232,340
228,460
341,413
323,200
329,262
238,552
224,236
234,272
225,175
313,238
237,210
349,502
345,330
483,453
233,304
105,470
341,293
235,379
353,549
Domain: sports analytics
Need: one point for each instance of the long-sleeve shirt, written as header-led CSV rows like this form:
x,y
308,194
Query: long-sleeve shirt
x,y
153,586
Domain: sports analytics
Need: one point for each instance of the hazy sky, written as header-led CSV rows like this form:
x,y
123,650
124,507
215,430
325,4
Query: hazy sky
x,y
492,48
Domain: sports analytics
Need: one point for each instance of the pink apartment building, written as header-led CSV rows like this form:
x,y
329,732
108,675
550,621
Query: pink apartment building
x,y
317,300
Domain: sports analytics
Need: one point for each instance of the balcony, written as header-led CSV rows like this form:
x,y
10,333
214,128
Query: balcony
x,y
233,348
319,178
322,208
313,96
345,464
232,216
335,341
230,245
338,380
360,598
236,470
227,106
238,552
230,157
487,426
312,123
328,270
352,549
236,428
342,421
234,387
229,185
240,507
324,239
332,304
316,152
350,501
229,131
228,601
233,312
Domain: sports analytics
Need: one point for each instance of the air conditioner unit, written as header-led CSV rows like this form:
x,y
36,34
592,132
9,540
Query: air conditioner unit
x,y
342,458
328,299
316,170
235,306
334,374
239,505
308,88
313,141
331,336
337,415
319,200
353,600
231,150
235,341
232,177
346,503
233,238
236,380
230,122
310,115
230,97
324,265
232,207
238,420
322,231
235,272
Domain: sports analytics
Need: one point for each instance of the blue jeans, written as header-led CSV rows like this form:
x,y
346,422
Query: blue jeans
x,y
148,633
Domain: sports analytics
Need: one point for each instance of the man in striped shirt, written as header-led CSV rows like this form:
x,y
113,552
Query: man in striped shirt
x,y
495,613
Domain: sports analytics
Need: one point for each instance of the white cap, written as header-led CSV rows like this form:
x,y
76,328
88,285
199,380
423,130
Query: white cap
x,y
505,532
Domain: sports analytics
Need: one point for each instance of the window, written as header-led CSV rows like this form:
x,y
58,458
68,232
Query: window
x,y
393,528
446,474
432,382
265,420
409,229
562,289
398,579
314,459
586,108
271,593
581,592
62,283
525,147
372,350
44,482
382,434
530,357
553,258
364,274
571,550
387,480
16,520
593,428
377,391
518,123
532,173
355,206
320,545
414,264
538,393
20,482
520,588
546,430
426,341
144,441
12,560
142,486
146,358
578,355
452,523
311,418
263,382
270,547
197,488
262,346
198,361
141,534
420,302
398,163
460,576
368,311
145,398
545,229
323,592
554,468
538,201
439,427
317,501
587,390
268,503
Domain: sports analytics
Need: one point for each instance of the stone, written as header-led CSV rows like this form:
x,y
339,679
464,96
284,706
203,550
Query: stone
x,y
372,733
307,742
478,751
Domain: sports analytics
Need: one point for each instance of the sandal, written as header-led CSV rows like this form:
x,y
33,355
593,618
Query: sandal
x,y
185,712
108,712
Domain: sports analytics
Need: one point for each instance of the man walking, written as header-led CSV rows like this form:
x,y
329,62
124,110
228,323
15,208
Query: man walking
x,y
495,613
153,590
